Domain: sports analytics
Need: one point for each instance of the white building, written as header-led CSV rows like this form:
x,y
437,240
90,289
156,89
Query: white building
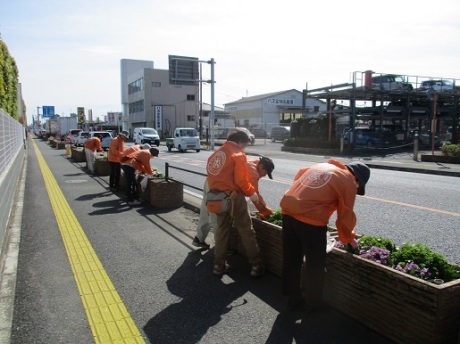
x,y
150,99
271,109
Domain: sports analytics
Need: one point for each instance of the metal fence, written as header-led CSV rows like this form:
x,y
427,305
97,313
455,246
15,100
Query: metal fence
x,y
12,139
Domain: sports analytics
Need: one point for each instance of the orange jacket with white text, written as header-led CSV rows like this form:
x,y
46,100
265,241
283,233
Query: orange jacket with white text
x,y
228,170
317,192
116,148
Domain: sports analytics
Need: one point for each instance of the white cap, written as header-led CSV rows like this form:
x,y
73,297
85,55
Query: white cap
x,y
146,146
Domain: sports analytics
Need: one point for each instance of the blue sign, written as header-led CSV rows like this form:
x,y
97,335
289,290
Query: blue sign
x,y
48,111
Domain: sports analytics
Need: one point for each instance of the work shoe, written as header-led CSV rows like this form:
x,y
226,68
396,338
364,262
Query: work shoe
x,y
257,270
196,242
221,269
135,202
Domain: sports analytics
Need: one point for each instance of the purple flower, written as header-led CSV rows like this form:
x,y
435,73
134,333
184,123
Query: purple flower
x,y
376,254
414,270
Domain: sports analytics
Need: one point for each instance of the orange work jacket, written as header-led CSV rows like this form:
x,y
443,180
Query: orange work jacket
x,y
320,190
94,144
140,160
116,148
228,170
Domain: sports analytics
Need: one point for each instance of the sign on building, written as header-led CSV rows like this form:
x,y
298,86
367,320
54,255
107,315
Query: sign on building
x,y
114,118
158,117
81,115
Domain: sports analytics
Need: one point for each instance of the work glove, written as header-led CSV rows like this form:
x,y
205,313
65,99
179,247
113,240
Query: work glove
x,y
264,211
254,198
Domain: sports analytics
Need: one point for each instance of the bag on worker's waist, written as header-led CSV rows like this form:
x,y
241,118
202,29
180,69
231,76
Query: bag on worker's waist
x,y
219,202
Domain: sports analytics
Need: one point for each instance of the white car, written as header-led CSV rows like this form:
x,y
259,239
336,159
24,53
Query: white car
x,y
81,138
104,136
72,135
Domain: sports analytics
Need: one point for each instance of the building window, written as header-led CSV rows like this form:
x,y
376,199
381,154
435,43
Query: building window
x,y
136,86
136,106
191,118
156,84
191,97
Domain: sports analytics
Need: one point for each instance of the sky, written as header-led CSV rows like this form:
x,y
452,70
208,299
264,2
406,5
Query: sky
x,y
68,52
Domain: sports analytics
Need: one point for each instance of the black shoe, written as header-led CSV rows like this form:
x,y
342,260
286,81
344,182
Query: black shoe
x,y
219,270
196,242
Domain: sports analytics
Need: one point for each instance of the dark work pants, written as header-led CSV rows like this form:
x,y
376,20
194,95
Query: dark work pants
x,y
130,178
303,240
114,180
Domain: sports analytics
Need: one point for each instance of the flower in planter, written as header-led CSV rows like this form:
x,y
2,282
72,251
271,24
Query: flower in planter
x,y
416,260
413,269
376,254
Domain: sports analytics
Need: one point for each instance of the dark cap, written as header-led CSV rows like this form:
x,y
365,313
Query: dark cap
x,y
268,165
124,133
154,151
361,172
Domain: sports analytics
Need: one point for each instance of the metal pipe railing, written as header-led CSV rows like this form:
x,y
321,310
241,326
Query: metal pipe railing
x,y
168,166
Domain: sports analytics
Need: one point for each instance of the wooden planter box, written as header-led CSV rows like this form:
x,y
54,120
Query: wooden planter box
x,y
397,305
401,307
166,194
101,167
270,242
60,145
78,154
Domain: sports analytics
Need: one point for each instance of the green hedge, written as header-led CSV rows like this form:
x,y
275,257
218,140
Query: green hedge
x,y
451,150
8,82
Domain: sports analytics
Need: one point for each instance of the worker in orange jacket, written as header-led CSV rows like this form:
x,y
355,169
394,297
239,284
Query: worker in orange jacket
x,y
228,172
316,193
137,160
92,145
116,149
257,168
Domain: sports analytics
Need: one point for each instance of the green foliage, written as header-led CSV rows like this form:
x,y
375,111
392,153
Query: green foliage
x,y
367,241
8,82
276,218
451,150
423,256
317,127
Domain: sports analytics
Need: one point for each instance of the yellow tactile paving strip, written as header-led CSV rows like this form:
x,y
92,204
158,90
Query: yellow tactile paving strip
x,y
108,317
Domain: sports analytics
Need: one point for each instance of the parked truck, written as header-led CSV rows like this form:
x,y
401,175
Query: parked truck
x,y
66,124
52,127
59,127
184,139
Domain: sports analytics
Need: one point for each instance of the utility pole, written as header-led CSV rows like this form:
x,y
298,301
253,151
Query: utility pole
x,y
38,115
212,102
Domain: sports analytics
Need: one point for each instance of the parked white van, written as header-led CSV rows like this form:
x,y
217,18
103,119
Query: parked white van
x,y
146,135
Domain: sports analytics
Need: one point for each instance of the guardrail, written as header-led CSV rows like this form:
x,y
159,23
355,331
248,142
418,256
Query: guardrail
x,y
168,166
